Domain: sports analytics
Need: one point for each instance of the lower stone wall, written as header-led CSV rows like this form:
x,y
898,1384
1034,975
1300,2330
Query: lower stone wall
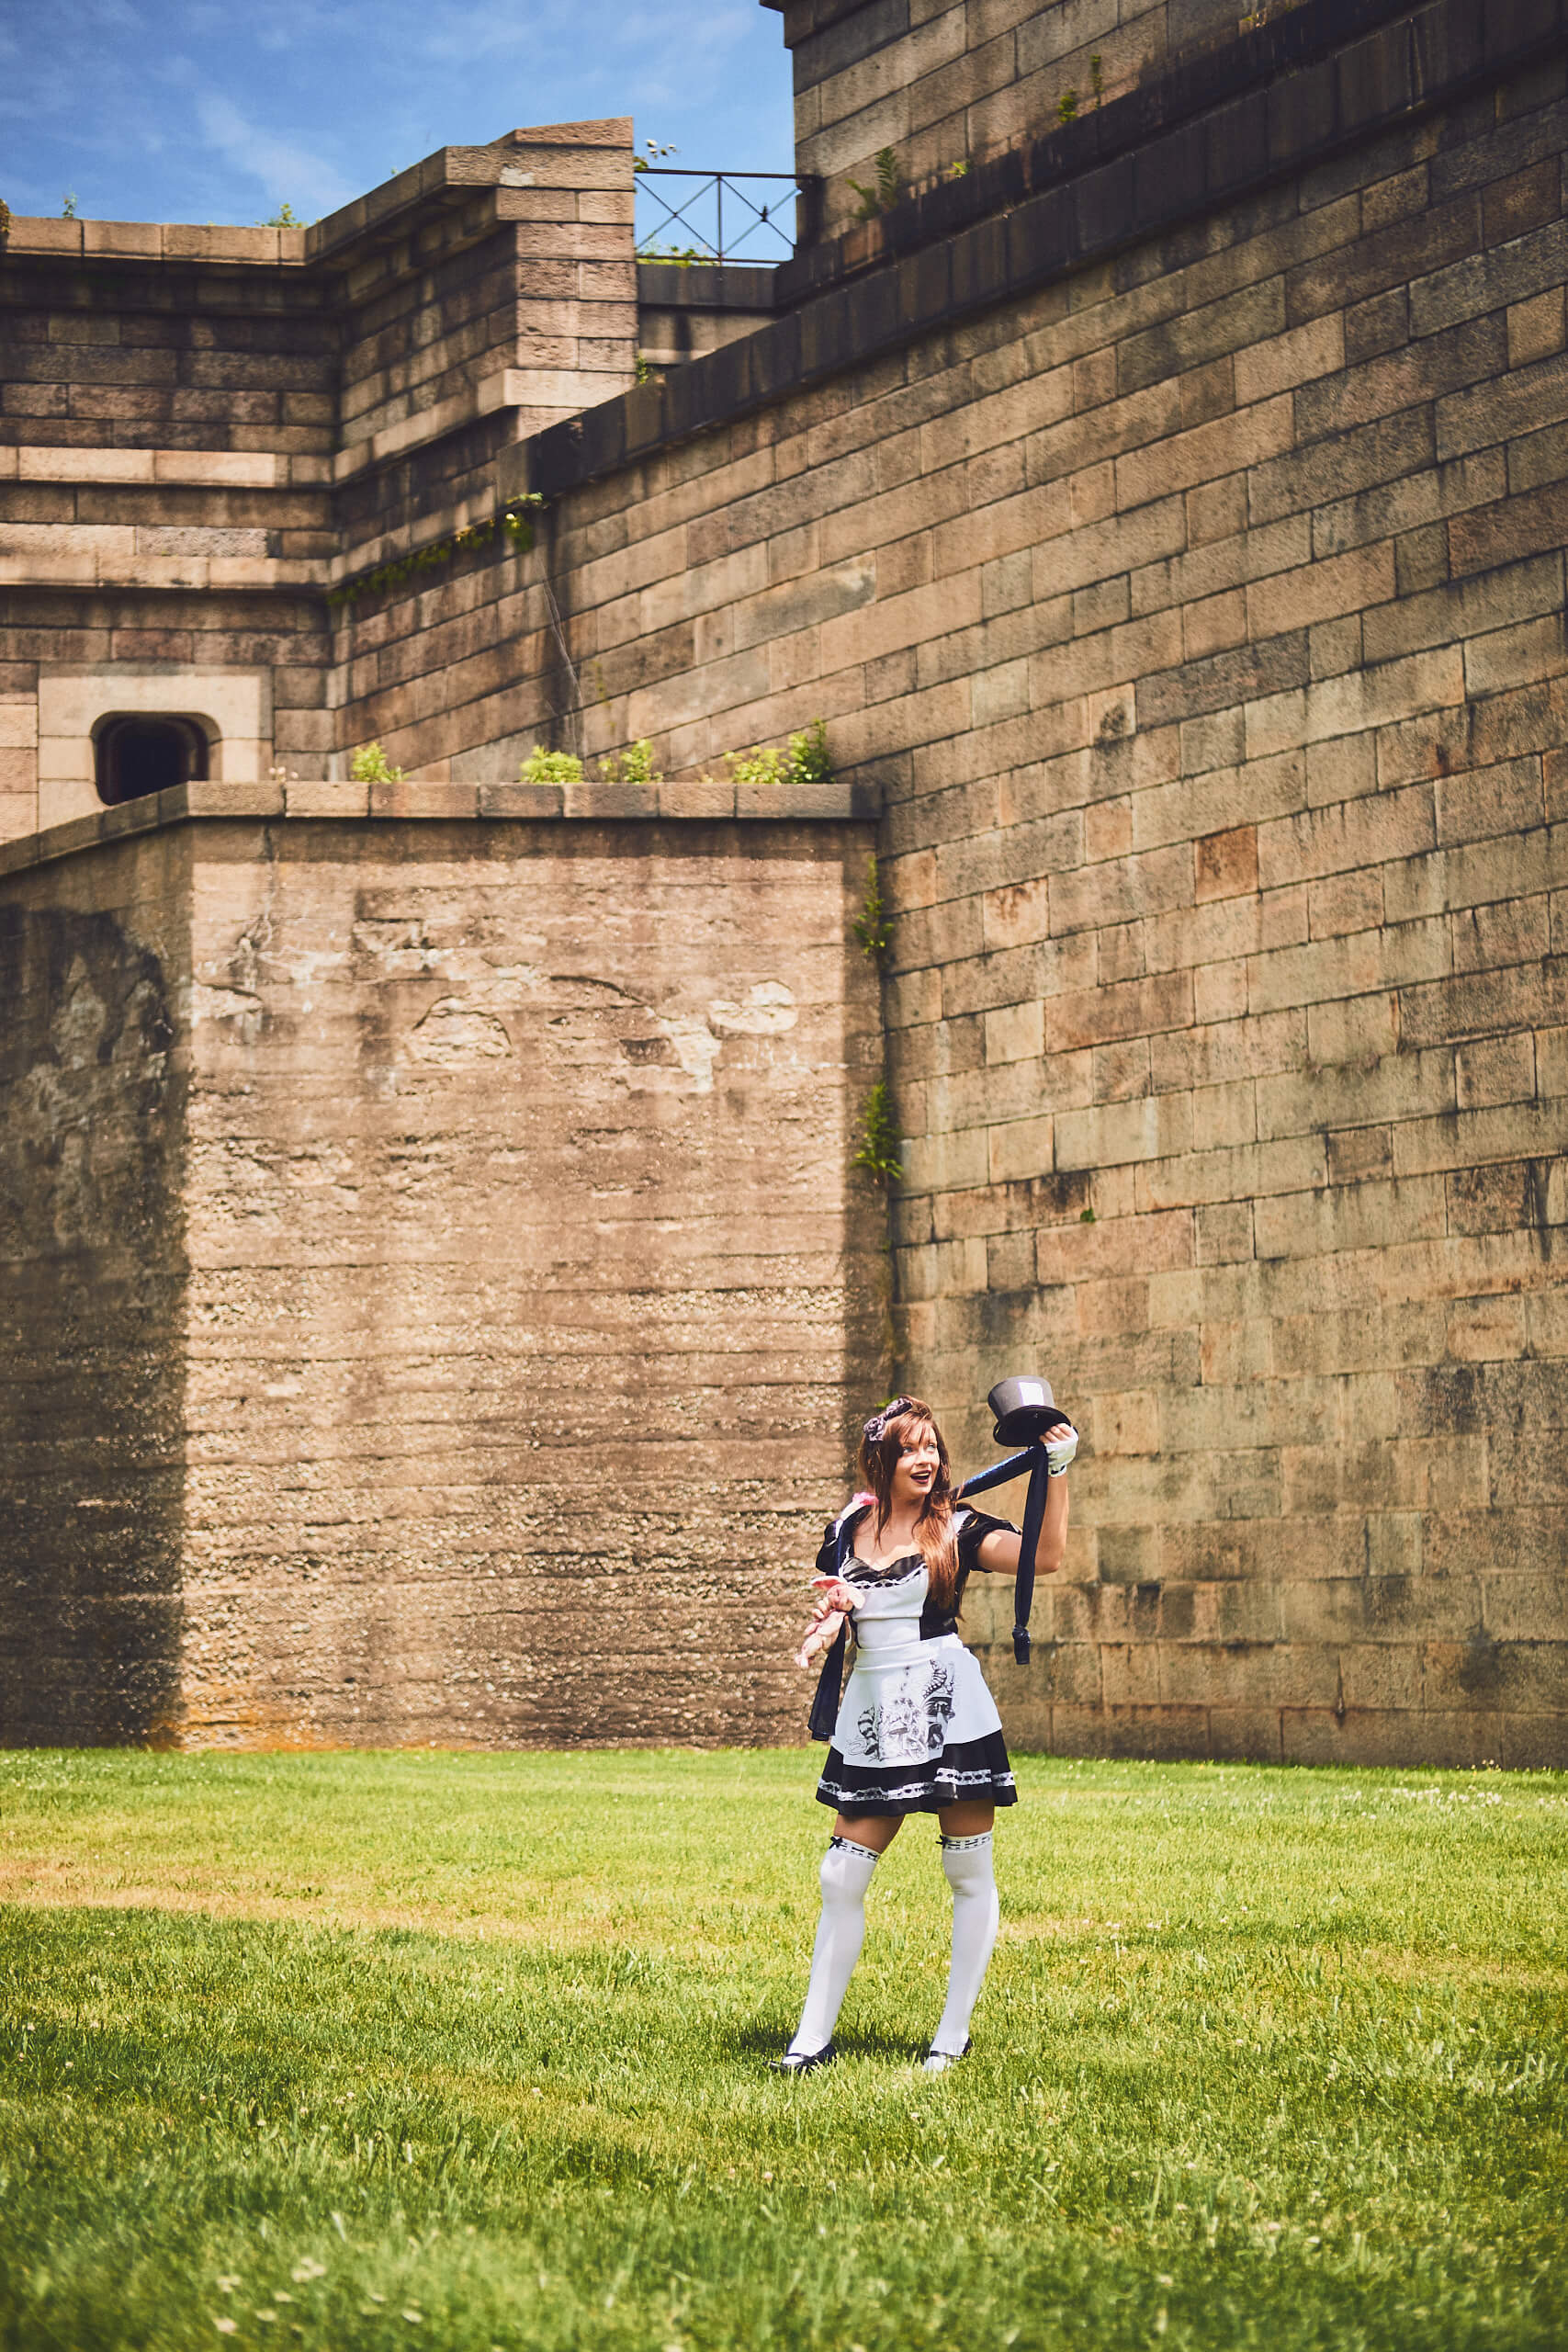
x,y
524,1289
92,1251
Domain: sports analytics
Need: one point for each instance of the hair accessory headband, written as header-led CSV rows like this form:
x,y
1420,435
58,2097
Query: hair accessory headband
x,y
875,1430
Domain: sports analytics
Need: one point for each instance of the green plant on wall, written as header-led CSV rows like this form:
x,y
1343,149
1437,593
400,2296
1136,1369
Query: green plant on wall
x,y
806,760
514,525
884,195
1067,107
810,761
756,768
878,1150
371,765
872,927
550,767
634,766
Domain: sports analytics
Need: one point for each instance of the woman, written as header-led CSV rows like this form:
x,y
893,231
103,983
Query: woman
x,y
918,1731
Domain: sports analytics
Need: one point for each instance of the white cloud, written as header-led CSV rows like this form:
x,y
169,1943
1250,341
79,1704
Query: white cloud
x,y
287,173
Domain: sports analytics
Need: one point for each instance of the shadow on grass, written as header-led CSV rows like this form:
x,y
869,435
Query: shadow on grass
x,y
767,2043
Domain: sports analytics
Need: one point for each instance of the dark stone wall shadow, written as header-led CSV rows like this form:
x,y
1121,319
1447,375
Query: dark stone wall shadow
x,y
91,1289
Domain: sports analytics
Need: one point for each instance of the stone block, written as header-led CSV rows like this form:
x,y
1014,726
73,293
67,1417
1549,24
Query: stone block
x,y
124,240
210,799
1533,1743
1124,1424
18,833
1134,1008
589,800
312,797
411,798
520,800
697,797
1225,864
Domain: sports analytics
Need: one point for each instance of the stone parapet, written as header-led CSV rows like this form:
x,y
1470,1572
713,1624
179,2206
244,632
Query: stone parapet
x,y
413,800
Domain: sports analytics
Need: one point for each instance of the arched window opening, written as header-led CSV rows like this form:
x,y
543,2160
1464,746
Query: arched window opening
x,y
137,753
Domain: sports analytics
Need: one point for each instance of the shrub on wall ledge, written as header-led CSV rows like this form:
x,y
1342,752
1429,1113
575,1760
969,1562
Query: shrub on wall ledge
x,y
550,767
371,765
807,759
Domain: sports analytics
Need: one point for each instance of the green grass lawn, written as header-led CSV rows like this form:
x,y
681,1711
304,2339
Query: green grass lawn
x,y
466,2051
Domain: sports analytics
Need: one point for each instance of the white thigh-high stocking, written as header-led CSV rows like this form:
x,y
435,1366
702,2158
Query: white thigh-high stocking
x,y
968,1861
846,1873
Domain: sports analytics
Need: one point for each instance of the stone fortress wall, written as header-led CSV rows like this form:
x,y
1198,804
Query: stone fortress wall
x,y
1166,516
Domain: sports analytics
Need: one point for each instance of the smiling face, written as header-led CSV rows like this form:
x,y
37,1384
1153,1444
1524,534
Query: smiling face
x,y
904,1464
917,1468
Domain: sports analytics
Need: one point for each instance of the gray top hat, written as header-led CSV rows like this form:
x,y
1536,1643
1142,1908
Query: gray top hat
x,y
1021,1409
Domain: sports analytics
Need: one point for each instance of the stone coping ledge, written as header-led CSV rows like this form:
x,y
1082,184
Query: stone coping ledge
x,y
155,240
699,798
579,155
188,469
706,286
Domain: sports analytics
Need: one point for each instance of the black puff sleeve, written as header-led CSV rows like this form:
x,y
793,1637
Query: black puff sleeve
x,y
977,1525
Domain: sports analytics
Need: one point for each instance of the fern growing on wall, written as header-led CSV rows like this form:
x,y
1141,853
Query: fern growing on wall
x,y
878,1150
872,927
886,193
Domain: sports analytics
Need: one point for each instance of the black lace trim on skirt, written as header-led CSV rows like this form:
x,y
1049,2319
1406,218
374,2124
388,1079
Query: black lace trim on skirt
x,y
969,1772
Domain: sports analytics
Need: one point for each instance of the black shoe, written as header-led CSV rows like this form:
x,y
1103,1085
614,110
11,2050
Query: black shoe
x,y
803,2062
939,2061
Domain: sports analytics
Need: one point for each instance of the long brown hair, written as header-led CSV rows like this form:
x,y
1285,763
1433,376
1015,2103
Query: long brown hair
x,y
886,1436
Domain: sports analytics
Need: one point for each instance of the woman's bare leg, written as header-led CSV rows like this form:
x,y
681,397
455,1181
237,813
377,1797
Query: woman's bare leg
x,y
874,1831
973,1820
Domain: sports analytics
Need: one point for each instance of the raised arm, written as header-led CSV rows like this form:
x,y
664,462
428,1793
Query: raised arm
x,y
1000,1550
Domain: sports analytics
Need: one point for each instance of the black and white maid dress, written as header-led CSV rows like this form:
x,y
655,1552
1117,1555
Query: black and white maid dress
x,y
916,1728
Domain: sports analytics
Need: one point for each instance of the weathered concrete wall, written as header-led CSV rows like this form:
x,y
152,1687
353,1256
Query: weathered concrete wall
x,y
475,1319
91,1243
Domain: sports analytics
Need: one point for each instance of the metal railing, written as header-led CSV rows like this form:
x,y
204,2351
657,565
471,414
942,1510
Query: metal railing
x,y
762,228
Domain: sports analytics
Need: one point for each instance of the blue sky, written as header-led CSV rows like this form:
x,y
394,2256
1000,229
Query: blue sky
x,y
199,110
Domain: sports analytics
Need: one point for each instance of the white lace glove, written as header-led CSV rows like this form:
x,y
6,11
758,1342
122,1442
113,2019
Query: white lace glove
x,y
1060,1444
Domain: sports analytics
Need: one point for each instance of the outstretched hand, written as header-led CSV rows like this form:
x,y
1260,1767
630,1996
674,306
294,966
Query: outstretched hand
x,y
833,1603
820,1635
832,1594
